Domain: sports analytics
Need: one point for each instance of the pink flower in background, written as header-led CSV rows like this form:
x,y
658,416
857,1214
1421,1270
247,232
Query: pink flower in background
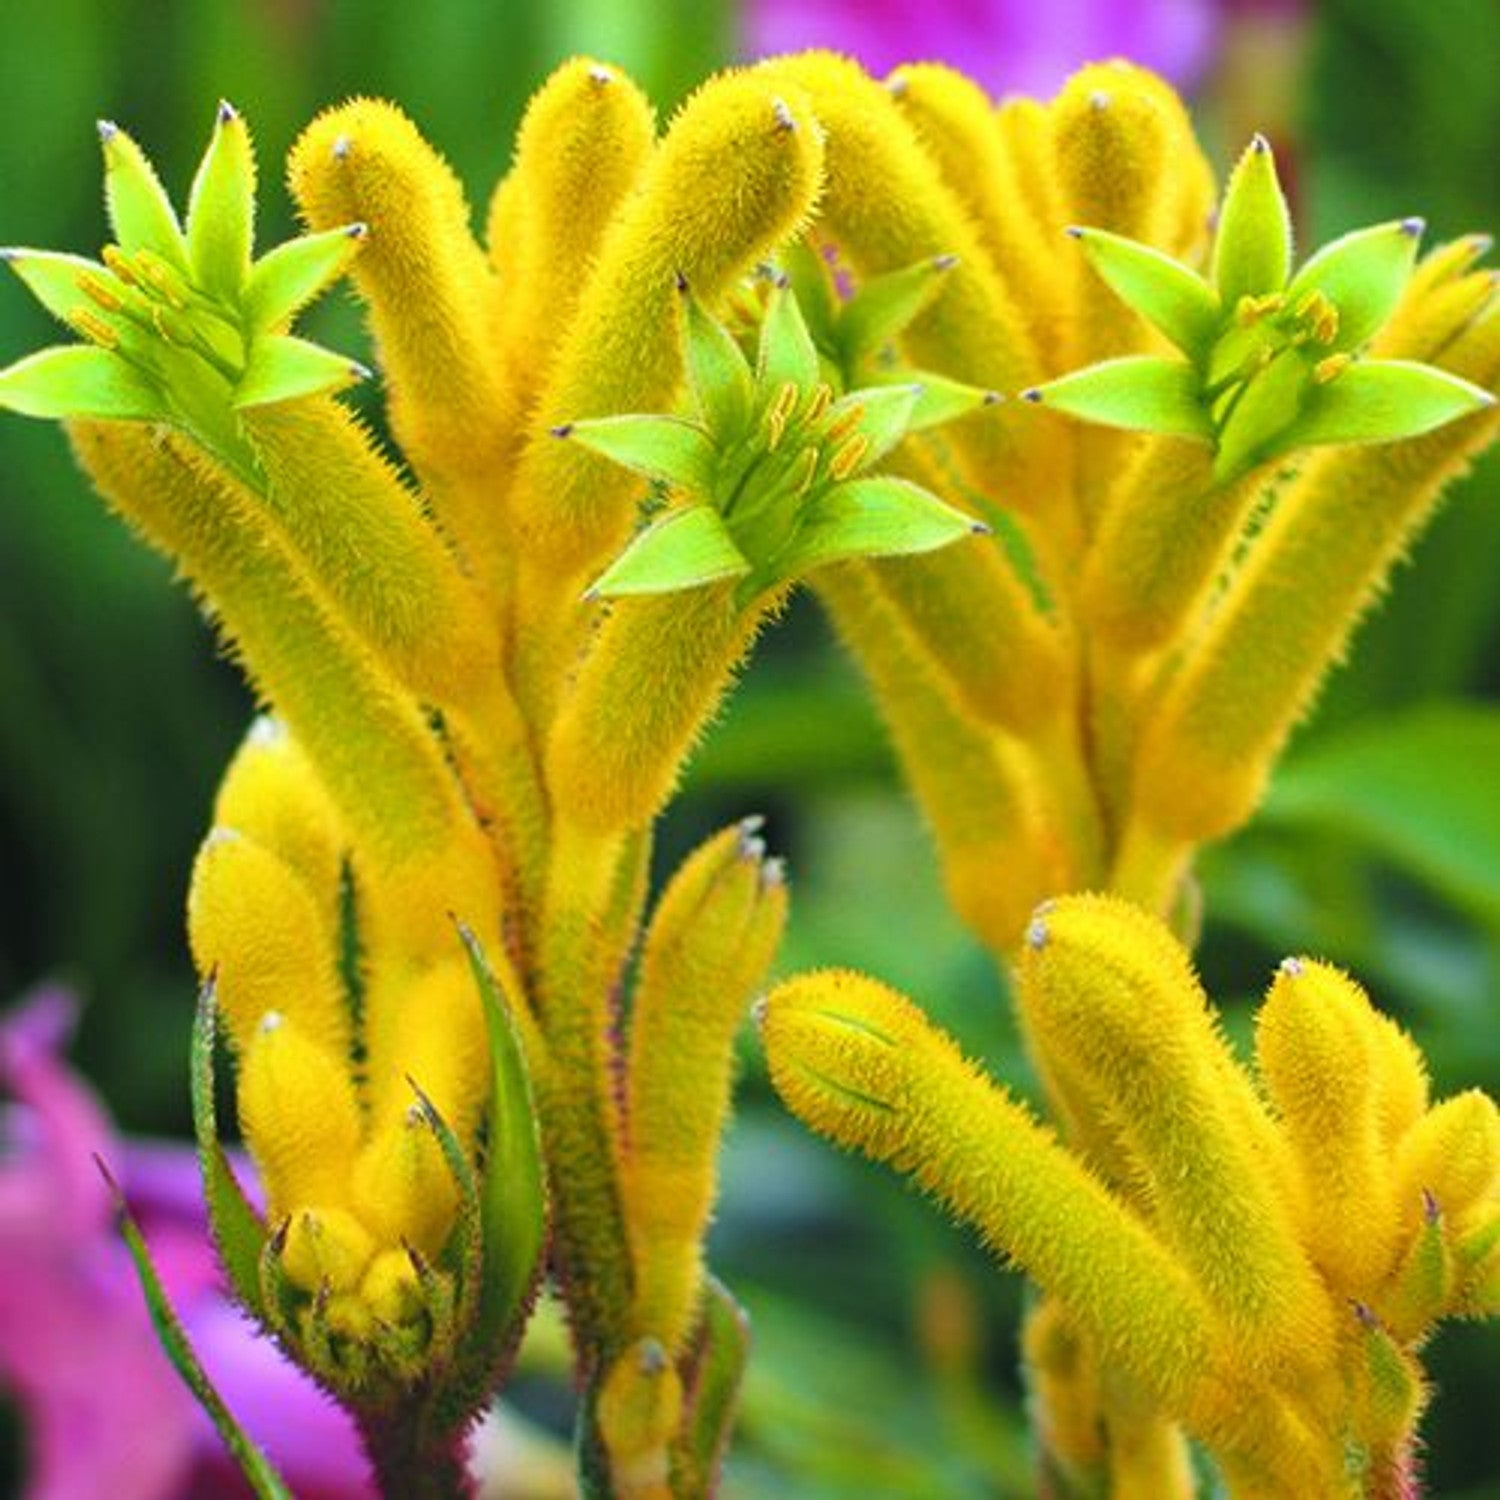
x,y
104,1412
1008,46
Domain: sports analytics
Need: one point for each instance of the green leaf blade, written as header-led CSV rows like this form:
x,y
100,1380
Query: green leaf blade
x,y
685,549
1253,246
1140,393
80,380
258,1470
1172,298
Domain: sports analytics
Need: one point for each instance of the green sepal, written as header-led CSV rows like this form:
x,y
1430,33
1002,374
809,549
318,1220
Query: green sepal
x,y
1381,401
884,417
943,400
813,288
80,380
1363,274
284,368
512,1189
716,1371
52,278
877,517
683,550
239,1232
1265,410
1141,393
1172,298
140,213
284,280
719,373
1253,246
465,1246
258,1470
886,305
787,353
221,209
666,448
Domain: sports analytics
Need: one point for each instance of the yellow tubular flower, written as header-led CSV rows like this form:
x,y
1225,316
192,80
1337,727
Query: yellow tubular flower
x,y
1316,1049
428,286
299,1116
710,941
379,758
735,175
268,941
1107,991
1286,616
586,138
860,1064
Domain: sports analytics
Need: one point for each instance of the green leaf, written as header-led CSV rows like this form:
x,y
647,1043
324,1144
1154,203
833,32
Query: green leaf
x,y
1264,412
886,305
942,400
1363,274
140,212
718,1360
254,1465
717,370
884,417
52,278
239,1232
513,1201
283,368
787,352
1382,400
1141,393
667,448
1253,246
1417,788
221,209
1173,299
80,381
284,280
879,517
683,550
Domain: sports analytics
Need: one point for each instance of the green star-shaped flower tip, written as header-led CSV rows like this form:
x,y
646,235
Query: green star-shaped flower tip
x,y
181,324
769,477
1272,357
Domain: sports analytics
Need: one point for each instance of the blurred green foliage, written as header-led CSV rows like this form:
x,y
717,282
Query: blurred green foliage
x,y
1379,849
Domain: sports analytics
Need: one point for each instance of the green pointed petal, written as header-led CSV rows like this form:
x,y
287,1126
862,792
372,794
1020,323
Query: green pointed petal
x,y
668,448
884,418
1166,293
813,287
787,352
942,400
1253,246
1363,274
879,517
282,368
1381,401
512,1195
683,550
284,280
221,209
80,381
718,371
1266,408
263,1479
52,278
886,305
719,1357
140,212
239,1233
1141,393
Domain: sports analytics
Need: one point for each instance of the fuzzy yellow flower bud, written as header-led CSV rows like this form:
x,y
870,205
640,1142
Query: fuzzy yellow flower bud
x,y
1453,1154
326,1247
403,1187
640,1406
